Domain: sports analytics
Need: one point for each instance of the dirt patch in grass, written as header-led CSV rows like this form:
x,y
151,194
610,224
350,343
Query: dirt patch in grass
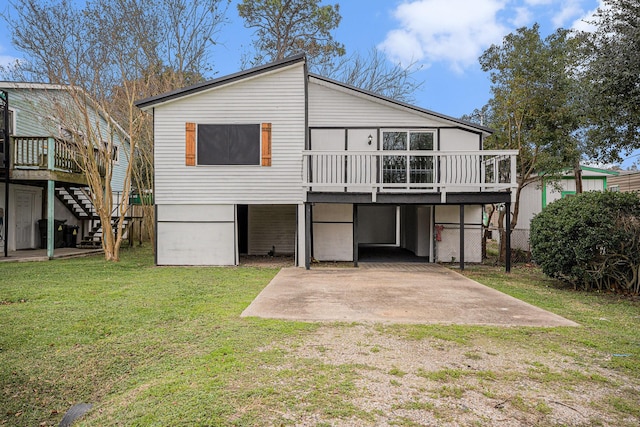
x,y
484,382
278,261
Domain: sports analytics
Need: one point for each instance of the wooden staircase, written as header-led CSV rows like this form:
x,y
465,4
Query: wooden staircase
x,y
79,202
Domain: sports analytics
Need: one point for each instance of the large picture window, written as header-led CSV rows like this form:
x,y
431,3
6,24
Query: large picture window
x,y
237,144
412,160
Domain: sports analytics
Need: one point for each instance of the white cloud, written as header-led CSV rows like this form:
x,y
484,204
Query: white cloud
x,y
569,10
404,46
6,59
453,31
584,22
456,32
522,17
539,2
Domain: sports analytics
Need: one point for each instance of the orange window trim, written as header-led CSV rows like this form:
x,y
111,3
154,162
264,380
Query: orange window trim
x,y
190,148
266,144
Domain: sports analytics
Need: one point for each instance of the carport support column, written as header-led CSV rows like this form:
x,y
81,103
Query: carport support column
x,y
307,235
51,188
50,218
355,235
507,261
461,237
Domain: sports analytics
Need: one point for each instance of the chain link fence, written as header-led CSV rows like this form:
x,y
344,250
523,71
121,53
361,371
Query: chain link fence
x,y
494,241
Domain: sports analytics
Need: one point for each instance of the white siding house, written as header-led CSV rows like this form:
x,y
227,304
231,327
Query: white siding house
x,y
277,160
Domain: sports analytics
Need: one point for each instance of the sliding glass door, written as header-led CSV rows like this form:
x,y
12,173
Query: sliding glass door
x,y
408,158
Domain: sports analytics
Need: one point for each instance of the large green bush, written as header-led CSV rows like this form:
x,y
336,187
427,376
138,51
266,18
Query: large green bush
x,y
591,240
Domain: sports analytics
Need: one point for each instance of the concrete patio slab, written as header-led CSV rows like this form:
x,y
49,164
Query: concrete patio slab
x,y
393,293
41,254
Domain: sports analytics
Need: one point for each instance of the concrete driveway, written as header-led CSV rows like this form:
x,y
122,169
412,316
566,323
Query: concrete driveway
x,y
393,293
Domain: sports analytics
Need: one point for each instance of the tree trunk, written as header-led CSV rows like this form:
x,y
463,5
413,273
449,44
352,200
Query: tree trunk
x,y
514,221
108,240
577,172
516,207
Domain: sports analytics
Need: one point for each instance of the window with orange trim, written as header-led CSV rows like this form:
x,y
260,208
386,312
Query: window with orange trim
x,y
228,144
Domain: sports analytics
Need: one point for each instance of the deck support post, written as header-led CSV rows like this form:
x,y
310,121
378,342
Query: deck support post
x,y
507,263
461,237
355,235
4,101
307,237
5,224
51,188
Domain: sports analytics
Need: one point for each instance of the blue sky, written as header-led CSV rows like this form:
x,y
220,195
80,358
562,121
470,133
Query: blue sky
x,y
442,37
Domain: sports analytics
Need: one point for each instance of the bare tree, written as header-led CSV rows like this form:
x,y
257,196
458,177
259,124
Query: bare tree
x,y
287,27
62,50
110,53
189,29
179,55
375,73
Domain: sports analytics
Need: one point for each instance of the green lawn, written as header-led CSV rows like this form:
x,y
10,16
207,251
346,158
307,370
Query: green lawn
x,y
166,346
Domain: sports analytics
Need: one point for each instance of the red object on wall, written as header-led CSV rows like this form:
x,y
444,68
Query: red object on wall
x,y
439,229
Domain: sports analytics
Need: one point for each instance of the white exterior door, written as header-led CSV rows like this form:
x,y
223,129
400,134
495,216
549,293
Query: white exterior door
x,y
24,220
328,168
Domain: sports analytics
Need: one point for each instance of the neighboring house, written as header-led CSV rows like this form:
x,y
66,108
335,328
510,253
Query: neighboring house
x,y
626,181
275,159
35,132
536,196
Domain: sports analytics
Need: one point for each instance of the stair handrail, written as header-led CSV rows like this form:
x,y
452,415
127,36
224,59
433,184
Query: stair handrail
x,y
87,193
115,212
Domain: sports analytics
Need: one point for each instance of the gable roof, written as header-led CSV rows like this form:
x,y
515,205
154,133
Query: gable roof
x,y
22,86
147,103
150,102
628,172
598,171
587,171
417,109
31,85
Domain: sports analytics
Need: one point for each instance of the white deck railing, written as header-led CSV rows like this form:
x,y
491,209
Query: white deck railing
x,y
404,171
